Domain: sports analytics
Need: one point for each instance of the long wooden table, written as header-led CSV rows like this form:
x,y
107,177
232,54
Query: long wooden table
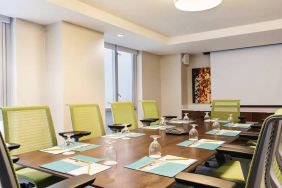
x,y
129,151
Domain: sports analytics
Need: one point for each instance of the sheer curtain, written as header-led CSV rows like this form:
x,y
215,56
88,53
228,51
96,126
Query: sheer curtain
x,y
4,27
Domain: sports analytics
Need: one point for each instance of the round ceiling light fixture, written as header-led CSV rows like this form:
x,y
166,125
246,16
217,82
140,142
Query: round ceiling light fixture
x,y
196,5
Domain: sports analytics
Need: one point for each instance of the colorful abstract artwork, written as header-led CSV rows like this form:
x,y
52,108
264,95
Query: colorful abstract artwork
x,y
201,83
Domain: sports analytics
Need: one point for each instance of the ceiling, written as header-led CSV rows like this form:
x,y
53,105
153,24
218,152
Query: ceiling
x,y
157,26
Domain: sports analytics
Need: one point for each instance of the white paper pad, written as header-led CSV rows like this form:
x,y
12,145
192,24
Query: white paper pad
x,y
55,150
94,169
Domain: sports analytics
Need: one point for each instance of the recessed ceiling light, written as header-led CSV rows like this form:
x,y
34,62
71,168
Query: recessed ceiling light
x,y
196,5
120,35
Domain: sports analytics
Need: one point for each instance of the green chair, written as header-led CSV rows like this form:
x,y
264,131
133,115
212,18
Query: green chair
x,y
32,128
222,108
151,111
265,169
87,117
123,112
8,177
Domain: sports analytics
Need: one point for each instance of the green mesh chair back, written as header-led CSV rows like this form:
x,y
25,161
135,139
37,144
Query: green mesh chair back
x,y
32,127
150,109
222,108
87,117
8,177
123,112
266,165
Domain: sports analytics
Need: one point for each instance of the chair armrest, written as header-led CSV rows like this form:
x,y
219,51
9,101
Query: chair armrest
x,y
76,181
244,152
249,135
118,127
15,159
148,121
202,181
169,117
76,134
12,146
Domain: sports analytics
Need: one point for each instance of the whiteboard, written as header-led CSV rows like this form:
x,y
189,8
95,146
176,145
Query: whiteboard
x,y
253,75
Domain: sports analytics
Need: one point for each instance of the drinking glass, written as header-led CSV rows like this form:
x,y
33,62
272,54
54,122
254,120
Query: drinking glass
x,y
68,139
230,119
110,154
216,125
193,133
125,131
155,148
206,117
186,118
162,121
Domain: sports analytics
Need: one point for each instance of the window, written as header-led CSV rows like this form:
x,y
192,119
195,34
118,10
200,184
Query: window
x,y
4,26
120,76
120,73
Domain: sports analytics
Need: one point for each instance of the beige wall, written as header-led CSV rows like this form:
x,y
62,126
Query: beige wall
x,y
75,69
196,61
83,61
151,77
171,91
27,67
148,80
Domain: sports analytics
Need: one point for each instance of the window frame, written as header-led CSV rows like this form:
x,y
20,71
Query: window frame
x,y
134,53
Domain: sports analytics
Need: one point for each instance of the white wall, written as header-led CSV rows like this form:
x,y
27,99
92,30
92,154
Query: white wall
x,y
171,91
75,69
26,71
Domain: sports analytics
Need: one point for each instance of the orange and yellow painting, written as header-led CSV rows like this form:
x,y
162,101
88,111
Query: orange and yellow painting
x,y
201,83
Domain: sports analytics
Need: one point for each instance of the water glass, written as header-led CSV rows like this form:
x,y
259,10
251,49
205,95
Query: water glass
x,y
230,119
68,139
163,121
216,125
193,133
110,154
206,117
186,118
155,148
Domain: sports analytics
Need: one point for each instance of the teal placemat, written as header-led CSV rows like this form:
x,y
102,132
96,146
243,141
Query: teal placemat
x,y
61,166
169,169
238,125
85,148
185,143
209,146
228,133
75,144
140,163
223,121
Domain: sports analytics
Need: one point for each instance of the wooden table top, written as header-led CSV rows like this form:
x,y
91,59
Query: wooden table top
x,y
129,151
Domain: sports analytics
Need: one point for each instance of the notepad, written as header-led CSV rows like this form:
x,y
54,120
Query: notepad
x,y
76,146
155,127
181,121
202,144
77,165
238,125
212,120
223,132
122,135
166,166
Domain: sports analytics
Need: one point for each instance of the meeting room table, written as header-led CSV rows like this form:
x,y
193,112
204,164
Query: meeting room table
x,y
129,151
